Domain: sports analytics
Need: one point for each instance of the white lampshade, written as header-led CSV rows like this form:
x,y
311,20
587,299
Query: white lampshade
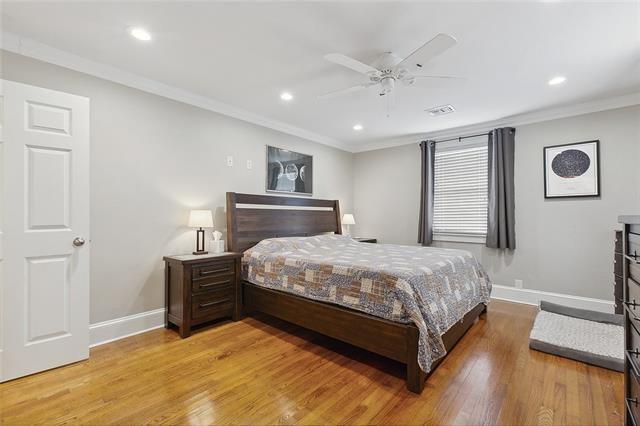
x,y
347,219
200,219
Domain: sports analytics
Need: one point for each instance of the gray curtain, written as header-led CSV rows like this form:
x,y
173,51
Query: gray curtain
x,y
425,222
501,231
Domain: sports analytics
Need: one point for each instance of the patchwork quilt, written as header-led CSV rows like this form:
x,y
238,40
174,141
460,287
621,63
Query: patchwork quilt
x,y
431,287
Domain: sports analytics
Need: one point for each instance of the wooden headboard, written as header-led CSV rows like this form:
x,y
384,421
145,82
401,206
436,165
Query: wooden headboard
x,y
268,216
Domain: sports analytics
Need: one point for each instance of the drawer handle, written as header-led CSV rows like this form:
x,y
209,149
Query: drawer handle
x,y
215,271
635,318
633,303
218,302
215,284
633,401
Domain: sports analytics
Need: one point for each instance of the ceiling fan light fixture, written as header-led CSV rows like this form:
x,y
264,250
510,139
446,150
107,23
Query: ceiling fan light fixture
x,y
357,127
286,96
389,69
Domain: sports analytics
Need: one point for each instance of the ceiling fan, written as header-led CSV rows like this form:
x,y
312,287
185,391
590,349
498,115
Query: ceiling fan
x,y
389,69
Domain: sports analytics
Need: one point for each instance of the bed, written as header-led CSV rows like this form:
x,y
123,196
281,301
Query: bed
x,y
410,304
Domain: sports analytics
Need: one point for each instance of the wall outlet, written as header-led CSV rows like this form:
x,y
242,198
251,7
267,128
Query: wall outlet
x,y
519,284
229,161
249,164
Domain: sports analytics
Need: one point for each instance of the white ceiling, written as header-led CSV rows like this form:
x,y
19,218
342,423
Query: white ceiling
x,y
246,54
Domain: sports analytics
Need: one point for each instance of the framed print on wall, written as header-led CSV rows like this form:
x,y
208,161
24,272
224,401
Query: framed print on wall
x,y
572,170
289,171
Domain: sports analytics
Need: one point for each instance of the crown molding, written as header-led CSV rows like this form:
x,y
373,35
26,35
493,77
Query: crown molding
x,y
33,49
15,43
538,116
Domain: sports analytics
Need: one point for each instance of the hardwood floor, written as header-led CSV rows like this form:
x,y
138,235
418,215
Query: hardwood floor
x,y
268,372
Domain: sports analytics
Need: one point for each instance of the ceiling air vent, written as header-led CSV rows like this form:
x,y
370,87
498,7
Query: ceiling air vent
x,y
440,110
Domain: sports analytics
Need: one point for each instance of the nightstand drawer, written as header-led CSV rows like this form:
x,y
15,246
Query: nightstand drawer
x,y
212,269
214,282
217,303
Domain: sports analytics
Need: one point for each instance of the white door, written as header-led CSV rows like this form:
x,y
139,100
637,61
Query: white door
x,y
44,263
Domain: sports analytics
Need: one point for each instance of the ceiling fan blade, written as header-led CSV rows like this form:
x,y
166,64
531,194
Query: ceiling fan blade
x,y
345,61
341,92
428,51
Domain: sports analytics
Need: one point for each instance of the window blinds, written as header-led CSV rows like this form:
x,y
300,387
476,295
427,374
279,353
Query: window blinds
x,y
460,191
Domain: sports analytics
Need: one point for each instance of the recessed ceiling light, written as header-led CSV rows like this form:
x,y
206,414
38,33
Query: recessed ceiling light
x,y
557,80
286,96
140,34
357,127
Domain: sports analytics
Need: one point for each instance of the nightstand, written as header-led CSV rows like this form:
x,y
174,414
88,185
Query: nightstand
x,y
201,288
365,240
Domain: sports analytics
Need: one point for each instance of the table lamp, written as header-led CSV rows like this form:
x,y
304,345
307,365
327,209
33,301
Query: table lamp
x,y
200,219
348,220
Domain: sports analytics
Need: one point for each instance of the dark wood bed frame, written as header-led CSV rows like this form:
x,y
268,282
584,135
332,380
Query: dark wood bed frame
x,y
270,216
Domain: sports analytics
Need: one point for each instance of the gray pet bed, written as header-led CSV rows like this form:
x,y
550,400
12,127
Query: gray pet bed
x,y
587,336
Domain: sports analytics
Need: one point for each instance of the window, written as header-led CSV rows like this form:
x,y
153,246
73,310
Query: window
x,y
460,191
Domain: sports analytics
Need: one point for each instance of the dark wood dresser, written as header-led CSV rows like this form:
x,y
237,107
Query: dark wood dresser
x,y
631,289
201,288
617,273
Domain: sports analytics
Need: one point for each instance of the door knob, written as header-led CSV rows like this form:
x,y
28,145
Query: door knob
x,y
77,241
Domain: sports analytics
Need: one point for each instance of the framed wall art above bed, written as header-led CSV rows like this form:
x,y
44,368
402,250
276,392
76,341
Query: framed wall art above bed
x,y
572,170
289,171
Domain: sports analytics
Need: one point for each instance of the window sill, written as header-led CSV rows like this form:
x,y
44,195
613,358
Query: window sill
x,y
461,238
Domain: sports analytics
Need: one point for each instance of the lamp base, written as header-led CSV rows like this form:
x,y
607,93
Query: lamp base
x,y
200,242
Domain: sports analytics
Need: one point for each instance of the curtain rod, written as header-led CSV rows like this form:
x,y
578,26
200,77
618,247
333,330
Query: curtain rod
x,y
459,138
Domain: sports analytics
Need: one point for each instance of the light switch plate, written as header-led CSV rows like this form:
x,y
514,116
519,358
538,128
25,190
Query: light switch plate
x,y
249,164
229,161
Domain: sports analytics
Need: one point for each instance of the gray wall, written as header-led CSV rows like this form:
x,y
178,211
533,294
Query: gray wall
x,y
564,246
152,159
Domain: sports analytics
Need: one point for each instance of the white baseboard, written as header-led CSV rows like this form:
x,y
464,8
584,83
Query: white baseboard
x,y
533,297
119,328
